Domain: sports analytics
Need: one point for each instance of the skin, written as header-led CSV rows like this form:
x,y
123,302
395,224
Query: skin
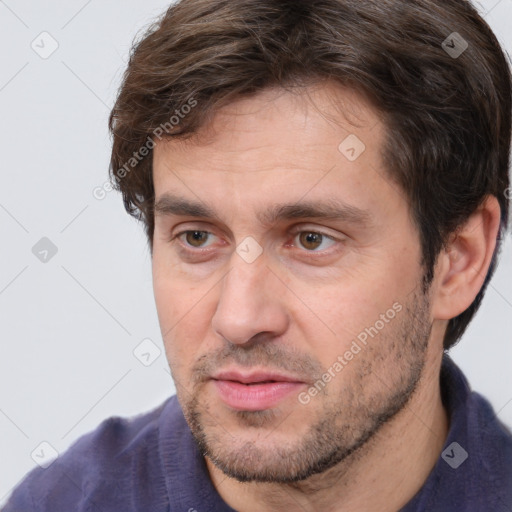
x,y
368,440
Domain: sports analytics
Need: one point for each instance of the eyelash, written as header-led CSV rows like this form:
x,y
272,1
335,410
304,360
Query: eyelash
x,y
294,234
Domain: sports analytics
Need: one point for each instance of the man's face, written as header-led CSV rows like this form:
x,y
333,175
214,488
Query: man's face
x,y
292,333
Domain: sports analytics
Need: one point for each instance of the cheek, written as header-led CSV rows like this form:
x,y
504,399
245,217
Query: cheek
x,y
346,311
172,292
349,302
183,313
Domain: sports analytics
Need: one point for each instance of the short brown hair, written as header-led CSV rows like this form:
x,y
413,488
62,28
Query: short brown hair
x,y
448,117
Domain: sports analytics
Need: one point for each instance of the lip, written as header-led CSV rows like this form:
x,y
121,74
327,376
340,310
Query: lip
x,y
254,391
253,377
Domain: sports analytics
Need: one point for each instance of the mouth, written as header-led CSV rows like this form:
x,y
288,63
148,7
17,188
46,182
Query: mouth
x,y
255,391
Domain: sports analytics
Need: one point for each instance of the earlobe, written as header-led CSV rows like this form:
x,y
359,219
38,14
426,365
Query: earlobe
x,y
463,264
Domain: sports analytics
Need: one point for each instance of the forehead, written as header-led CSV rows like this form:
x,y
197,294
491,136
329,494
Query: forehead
x,y
297,127
296,145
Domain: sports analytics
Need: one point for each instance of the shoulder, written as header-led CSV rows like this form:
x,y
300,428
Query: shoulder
x,y
477,423
492,445
484,449
474,472
103,462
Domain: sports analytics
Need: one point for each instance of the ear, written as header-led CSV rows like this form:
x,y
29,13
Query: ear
x,y
462,266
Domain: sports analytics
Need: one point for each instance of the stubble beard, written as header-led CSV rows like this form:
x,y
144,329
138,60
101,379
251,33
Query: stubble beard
x,y
395,360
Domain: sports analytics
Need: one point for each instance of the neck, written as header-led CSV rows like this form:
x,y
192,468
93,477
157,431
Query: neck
x,y
382,475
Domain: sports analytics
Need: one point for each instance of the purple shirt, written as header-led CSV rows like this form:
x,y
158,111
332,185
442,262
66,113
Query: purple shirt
x,y
150,463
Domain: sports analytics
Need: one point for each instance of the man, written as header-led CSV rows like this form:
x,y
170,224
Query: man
x,y
325,187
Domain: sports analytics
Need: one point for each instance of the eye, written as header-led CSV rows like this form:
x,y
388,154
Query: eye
x,y
195,238
311,240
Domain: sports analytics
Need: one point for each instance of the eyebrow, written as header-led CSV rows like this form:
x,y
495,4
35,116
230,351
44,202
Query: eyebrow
x,y
328,209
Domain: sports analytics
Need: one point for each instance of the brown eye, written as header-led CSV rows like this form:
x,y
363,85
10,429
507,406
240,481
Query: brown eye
x,y
196,238
310,241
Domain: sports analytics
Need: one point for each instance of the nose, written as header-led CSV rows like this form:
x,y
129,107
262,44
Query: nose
x,y
251,302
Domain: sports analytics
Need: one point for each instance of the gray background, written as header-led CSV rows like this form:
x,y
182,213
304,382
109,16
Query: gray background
x,y
70,325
